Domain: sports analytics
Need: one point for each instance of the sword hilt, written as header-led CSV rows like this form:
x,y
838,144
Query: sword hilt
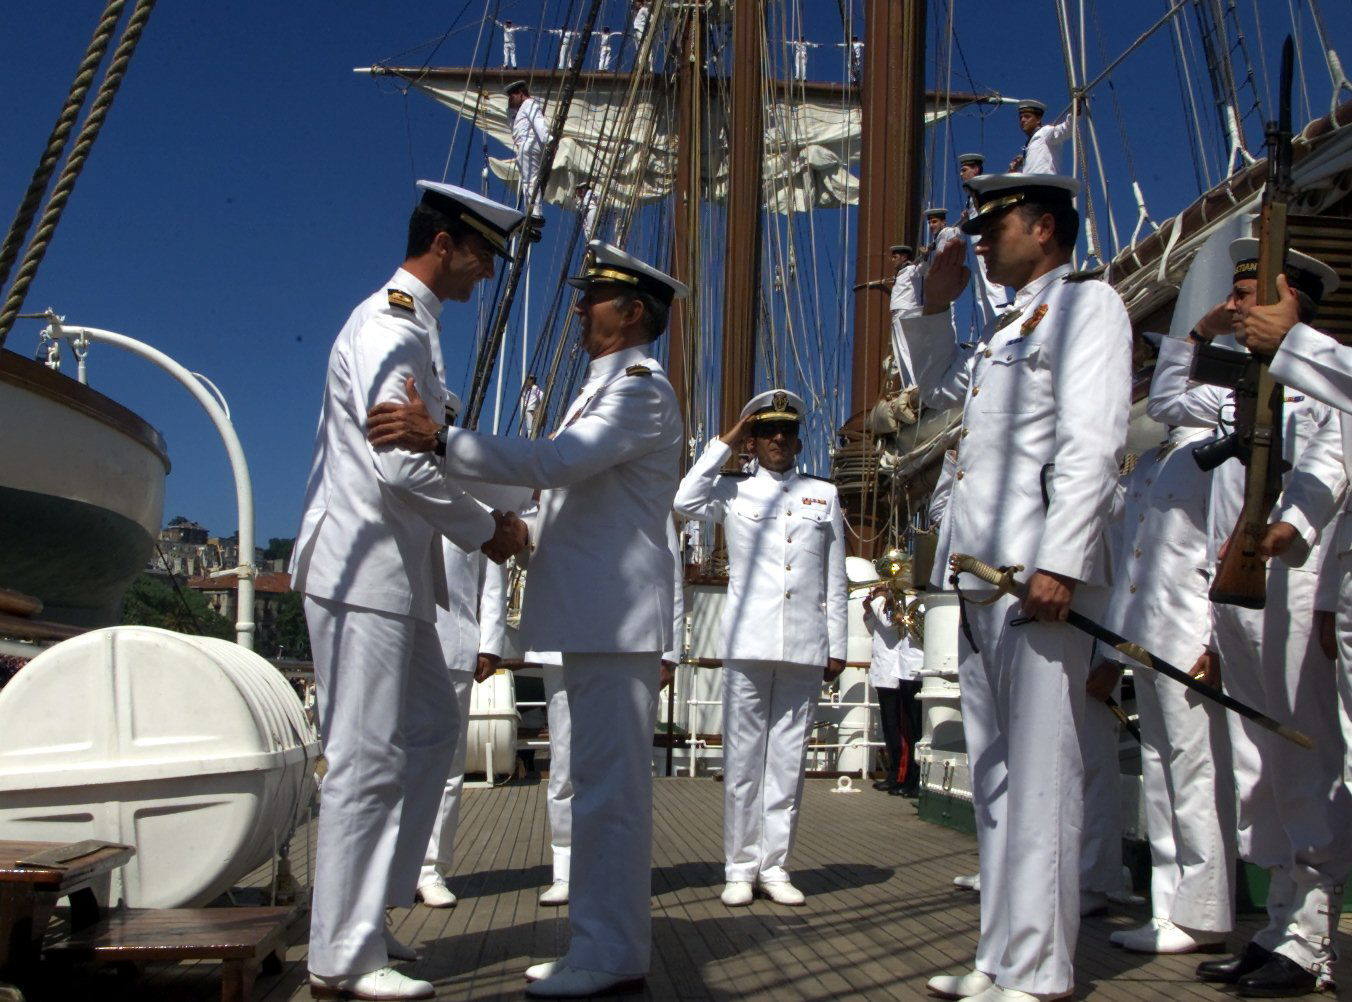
x,y
1002,578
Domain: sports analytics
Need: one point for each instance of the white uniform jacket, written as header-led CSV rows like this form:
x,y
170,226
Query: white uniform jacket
x,y
786,559
1316,364
600,577
1160,569
1309,440
1045,405
473,622
884,666
368,533
1039,156
905,300
530,130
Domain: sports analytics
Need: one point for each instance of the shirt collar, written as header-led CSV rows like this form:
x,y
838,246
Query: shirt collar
x,y
788,474
608,365
1037,285
406,282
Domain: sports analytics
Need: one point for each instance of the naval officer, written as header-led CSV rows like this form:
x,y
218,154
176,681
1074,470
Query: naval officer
x,y
1288,801
599,589
530,136
1039,153
370,567
1045,404
784,631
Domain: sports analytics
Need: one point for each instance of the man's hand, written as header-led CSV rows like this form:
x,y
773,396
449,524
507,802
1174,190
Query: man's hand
x,y
484,666
403,426
1215,323
510,537
666,674
1277,540
737,434
948,276
1048,598
1207,668
1103,680
1325,628
1263,327
834,666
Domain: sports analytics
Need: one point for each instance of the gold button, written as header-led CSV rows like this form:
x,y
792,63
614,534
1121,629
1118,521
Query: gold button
x,y
788,567
1137,553
976,390
963,434
987,353
1133,589
1140,518
787,594
789,539
960,474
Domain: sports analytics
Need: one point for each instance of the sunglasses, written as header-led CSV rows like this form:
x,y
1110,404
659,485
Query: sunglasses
x,y
769,429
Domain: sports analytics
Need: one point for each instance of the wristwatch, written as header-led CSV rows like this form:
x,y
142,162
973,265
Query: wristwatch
x,y
440,447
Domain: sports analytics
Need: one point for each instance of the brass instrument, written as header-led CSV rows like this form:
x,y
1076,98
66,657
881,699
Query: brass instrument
x,y
893,569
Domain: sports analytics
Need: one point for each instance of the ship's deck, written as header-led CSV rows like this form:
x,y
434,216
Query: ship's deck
x,y
881,916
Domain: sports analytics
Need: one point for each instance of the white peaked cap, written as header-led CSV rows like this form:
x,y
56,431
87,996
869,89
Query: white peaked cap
x,y
493,220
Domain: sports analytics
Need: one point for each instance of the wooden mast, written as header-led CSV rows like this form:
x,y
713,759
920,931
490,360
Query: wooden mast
x,y
741,281
892,105
690,91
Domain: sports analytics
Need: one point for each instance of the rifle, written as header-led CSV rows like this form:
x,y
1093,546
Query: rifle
x,y
1241,578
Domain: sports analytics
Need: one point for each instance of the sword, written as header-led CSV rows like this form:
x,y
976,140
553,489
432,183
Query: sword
x,y
1003,579
1123,719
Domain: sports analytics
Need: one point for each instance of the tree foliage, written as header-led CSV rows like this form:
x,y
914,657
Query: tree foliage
x,y
293,635
151,602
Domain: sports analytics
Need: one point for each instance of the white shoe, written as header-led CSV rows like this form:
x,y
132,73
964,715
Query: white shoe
x,y
968,881
737,893
435,894
959,986
576,983
781,892
555,894
538,972
386,983
1162,936
997,994
396,950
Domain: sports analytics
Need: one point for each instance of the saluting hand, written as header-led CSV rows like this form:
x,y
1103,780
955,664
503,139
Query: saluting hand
x,y
1264,327
948,276
403,426
737,434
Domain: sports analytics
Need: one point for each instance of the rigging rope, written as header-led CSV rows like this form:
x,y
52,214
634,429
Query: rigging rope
x,y
79,153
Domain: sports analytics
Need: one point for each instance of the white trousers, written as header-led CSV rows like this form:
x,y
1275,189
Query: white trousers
x,y
1101,847
613,700
528,164
508,53
768,708
440,856
1189,804
1022,712
559,793
1295,813
383,697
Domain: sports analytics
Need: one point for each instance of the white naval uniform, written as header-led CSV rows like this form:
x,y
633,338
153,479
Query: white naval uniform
x,y
474,624
589,206
559,791
640,27
532,397
1039,155
885,639
567,44
367,561
605,54
800,57
509,42
599,589
530,134
1286,803
1159,599
1057,393
784,616
1313,363
1101,834
904,302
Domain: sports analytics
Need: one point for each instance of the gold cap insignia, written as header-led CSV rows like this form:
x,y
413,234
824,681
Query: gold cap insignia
x,y
780,401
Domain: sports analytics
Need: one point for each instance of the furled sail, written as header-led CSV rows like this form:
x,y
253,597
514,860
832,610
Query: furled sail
x,y
812,135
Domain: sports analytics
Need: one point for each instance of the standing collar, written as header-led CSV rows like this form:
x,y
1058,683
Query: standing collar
x,y
1037,285
788,474
407,282
608,365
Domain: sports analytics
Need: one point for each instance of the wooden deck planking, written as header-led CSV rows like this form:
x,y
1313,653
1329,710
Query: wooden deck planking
x,y
882,914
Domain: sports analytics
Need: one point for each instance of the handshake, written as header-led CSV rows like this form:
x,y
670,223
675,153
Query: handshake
x,y
510,537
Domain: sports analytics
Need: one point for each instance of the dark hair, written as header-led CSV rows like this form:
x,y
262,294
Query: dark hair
x,y
1065,220
424,225
655,313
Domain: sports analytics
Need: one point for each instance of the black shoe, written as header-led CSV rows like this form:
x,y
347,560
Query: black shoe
x,y
895,791
1280,978
882,784
1231,969
910,793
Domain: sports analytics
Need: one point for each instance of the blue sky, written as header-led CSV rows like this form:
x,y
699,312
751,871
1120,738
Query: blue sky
x,y
248,189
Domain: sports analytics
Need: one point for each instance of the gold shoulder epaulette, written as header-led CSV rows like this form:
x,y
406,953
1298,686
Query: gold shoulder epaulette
x,y
400,299
638,370
1086,274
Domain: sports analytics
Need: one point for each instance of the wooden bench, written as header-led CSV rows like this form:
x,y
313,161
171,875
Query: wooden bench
x,y
242,939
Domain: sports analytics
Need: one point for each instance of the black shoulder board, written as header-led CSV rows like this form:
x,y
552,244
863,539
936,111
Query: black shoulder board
x,y
638,370
825,480
1087,274
400,299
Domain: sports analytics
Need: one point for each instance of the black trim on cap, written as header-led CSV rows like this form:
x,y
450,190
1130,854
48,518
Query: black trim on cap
x,y
1297,277
598,274
496,236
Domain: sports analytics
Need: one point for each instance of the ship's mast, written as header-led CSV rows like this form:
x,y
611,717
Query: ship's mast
x,y
892,105
741,275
